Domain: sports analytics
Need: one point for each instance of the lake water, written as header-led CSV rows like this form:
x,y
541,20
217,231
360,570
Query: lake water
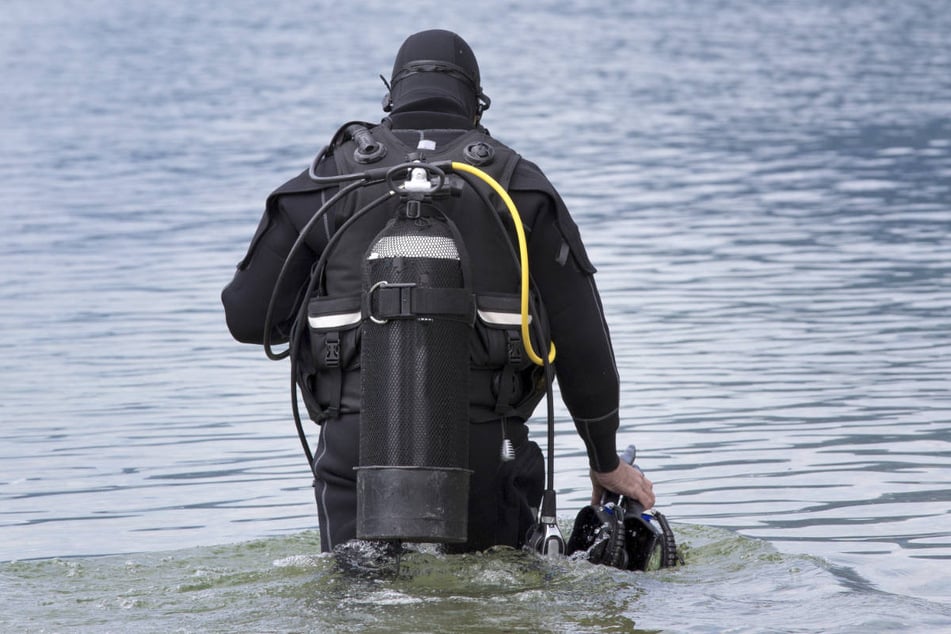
x,y
765,188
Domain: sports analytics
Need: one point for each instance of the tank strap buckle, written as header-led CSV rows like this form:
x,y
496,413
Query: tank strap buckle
x,y
387,301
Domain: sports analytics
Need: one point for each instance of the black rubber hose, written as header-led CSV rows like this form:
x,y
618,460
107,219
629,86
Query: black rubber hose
x,y
269,314
301,320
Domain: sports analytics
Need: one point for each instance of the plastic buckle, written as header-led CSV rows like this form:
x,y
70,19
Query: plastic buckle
x,y
332,353
514,348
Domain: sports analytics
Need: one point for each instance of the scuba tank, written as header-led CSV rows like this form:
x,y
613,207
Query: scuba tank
x,y
412,478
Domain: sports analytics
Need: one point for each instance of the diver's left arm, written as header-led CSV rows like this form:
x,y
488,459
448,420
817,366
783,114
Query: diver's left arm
x,y
247,296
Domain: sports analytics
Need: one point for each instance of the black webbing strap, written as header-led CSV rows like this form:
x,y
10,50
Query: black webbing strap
x,y
332,377
509,383
409,301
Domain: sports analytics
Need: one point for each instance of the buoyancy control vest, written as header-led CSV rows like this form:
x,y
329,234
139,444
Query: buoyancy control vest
x,y
503,382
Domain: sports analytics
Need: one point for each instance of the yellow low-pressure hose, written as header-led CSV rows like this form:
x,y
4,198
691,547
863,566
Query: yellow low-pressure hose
x,y
522,253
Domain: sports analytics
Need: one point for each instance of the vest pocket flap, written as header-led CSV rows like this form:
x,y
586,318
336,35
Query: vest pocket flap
x,y
500,311
333,313
334,325
497,341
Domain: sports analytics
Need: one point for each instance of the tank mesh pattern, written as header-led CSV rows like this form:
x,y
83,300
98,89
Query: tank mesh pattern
x,y
417,418
415,246
415,372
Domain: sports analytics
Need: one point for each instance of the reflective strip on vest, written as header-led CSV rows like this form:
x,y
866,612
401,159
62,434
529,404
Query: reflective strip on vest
x,y
498,318
336,320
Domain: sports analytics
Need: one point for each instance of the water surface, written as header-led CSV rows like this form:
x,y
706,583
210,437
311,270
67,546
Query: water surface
x,y
764,189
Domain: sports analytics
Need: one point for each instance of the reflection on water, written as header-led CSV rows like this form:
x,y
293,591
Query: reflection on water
x,y
764,190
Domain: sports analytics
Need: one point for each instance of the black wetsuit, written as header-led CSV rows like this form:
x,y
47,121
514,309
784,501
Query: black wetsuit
x,y
501,493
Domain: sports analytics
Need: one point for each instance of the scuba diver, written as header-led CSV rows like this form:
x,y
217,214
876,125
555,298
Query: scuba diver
x,y
430,284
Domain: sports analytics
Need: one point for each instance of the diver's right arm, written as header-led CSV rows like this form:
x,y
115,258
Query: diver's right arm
x,y
624,480
247,296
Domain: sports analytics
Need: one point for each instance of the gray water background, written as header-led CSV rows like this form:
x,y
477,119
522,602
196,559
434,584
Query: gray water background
x,y
764,186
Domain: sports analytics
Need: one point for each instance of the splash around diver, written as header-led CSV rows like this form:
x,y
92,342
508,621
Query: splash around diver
x,y
617,532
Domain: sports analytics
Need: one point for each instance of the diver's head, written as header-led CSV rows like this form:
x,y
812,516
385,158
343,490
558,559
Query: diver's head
x,y
436,71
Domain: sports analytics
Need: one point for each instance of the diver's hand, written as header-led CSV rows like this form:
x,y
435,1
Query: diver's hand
x,y
624,480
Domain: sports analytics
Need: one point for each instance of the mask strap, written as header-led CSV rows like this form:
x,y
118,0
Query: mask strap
x,y
387,100
436,66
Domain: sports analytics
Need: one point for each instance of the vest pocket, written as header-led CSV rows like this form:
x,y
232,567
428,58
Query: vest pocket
x,y
497,340
333,326
504,378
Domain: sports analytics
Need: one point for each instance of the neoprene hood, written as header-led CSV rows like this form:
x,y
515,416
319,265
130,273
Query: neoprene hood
x,y
436,71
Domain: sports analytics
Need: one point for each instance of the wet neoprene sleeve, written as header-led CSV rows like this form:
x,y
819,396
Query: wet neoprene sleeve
x,y
585,365
246,298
